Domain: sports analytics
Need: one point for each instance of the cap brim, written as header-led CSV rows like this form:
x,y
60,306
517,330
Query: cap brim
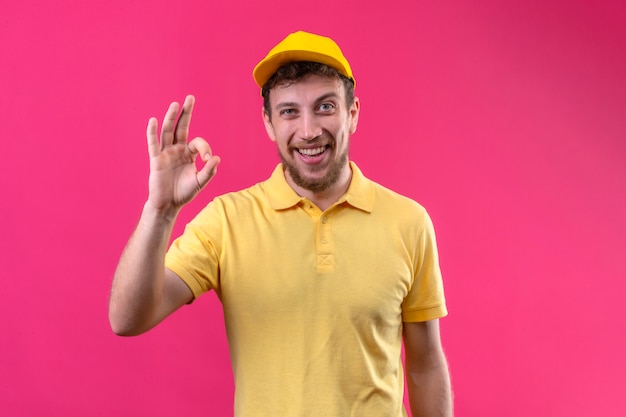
x,y
266,68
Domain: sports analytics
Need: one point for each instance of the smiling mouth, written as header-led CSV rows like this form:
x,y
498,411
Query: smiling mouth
x,y
312,151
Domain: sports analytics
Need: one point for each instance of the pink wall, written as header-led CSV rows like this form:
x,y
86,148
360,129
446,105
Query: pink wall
x,y
507,120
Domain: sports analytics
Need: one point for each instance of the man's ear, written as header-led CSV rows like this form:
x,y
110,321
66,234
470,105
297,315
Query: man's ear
x,y
354,114
269,127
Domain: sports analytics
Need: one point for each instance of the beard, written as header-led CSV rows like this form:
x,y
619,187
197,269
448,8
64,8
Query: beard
x,y
317,186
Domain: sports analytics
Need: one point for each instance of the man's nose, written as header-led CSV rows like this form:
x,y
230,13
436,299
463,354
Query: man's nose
x,y
309,127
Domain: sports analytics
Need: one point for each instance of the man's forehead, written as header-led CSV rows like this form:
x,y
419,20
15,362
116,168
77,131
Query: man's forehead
x,y
311,88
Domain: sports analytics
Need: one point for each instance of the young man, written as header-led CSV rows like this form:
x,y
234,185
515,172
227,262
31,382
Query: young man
x,y
321,272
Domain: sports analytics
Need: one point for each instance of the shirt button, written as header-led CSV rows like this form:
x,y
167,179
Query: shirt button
x,y
324,219
324,240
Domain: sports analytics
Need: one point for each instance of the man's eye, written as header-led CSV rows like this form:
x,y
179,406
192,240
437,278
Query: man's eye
x,y
326,107
287,112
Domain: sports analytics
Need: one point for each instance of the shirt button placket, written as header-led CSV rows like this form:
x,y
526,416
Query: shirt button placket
x,y
324,243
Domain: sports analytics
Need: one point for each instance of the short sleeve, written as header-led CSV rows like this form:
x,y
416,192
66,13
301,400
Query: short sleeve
x,y
194,256
425,300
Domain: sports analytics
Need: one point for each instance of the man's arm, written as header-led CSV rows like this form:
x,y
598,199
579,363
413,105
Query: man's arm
x,y
428,380
145,292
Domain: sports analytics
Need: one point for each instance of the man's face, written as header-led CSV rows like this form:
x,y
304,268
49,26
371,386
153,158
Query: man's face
x,y
311,125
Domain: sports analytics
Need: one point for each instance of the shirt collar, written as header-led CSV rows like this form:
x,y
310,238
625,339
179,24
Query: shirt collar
x,y
360,194
281,196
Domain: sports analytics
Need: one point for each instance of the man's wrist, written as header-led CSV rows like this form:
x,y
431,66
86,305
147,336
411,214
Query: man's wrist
x,y
164,217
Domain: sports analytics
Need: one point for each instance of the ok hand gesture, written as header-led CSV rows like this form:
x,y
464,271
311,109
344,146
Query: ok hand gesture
x,y
174,178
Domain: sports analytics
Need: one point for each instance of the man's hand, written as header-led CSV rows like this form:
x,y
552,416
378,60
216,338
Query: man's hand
x,y
174,178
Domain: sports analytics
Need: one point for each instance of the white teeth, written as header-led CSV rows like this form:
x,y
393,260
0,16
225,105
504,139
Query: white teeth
x,y
312,152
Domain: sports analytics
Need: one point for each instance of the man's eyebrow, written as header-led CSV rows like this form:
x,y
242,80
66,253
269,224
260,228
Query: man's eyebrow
x,y
321,98
287,104
326,96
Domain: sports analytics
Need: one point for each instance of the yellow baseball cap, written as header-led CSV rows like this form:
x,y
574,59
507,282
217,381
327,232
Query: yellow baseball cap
x,y
302,46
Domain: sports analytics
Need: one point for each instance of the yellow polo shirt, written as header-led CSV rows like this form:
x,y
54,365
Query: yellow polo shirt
x,y
314,301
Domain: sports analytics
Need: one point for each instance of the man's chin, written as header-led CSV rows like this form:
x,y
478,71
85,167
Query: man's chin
x,y
313,183
315,178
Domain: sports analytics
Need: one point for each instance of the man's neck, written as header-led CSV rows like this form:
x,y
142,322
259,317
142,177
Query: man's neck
x,y
324,199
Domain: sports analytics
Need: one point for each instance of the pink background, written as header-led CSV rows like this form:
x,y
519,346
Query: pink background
x,y
507,120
